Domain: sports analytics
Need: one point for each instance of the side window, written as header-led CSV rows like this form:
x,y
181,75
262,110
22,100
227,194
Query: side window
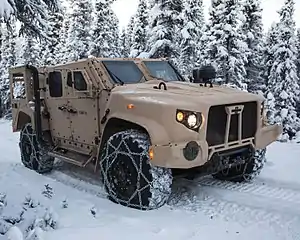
x,y
79,82
69,79
55,84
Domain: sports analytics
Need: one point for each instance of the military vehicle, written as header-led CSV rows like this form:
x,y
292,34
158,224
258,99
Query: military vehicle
x,y
139,124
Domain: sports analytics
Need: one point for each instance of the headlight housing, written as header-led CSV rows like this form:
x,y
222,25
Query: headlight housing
x,y
192,120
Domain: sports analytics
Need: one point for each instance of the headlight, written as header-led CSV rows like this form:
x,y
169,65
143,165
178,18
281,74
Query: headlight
x,y
192,120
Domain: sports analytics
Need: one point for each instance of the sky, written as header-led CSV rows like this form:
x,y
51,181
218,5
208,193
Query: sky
x,y
270,8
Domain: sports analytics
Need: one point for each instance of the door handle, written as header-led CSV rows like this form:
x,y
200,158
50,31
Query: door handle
x,y
62,108
72,110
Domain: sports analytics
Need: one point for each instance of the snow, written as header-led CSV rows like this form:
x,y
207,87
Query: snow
x,y
5,8
74,205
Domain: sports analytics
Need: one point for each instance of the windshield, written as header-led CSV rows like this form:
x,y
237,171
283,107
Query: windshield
x,y
123,71
164,70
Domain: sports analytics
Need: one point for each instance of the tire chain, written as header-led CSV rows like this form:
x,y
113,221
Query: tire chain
x,y
38,153
157,198
259,159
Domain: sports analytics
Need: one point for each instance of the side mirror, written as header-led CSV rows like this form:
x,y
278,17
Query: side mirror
x,y
204,74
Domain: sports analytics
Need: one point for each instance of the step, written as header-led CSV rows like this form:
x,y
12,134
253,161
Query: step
x,y
72,157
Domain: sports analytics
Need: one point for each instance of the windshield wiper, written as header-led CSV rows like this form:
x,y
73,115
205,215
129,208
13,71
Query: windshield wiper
x,y
159,78
111,73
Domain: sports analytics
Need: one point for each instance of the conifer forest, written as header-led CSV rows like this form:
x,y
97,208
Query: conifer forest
x,y
232,39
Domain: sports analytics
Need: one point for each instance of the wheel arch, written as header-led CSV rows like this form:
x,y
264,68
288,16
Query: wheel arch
x,y
23,118
116,124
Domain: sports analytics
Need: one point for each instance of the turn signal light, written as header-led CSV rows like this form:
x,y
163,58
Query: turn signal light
x,y
130,106
151,154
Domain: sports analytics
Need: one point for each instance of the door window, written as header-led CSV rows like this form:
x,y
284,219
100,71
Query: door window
x,y
55,84
79,82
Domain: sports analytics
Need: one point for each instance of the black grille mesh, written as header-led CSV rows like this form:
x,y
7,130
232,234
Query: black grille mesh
x,y
217,118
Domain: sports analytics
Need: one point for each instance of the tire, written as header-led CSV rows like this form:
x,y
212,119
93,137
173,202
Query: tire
x,y
244,172
128,175
34,156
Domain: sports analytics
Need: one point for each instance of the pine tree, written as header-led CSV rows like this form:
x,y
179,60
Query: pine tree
x,y
226,47
49,54
253,30
129,34
114,41
30,51
165,17
139,30
122,44
79,35
105,31
32,14
298,52
269,44
283,80
193,22
8,50
61,51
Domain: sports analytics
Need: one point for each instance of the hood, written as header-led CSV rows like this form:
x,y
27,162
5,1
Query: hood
x,y
185,93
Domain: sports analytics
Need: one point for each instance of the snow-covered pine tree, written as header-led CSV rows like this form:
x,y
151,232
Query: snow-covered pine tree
x,y
253,30
270,40
30,51
122,44
129,34
79,36
193,22
165,16
31,14
48,56
8,50
114,26
61,50
283,80
101,30
105,34
226,47
139,36
269,43
298,52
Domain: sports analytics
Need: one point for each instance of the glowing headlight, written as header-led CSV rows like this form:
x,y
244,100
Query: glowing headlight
x,y
180,116
192,120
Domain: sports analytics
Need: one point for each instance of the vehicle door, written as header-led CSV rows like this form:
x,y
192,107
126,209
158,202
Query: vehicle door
x,y
56,100
83,109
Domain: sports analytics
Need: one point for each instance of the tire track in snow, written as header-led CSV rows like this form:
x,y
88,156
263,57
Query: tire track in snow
x,y
235,202
79,179
258,189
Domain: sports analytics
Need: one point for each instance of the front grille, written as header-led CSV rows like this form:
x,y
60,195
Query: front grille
x,y
217,118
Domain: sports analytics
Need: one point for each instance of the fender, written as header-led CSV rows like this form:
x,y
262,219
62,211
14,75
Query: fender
x,y
156,131
23,117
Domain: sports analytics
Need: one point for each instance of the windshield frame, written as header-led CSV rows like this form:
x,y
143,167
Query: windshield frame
x,y
180,78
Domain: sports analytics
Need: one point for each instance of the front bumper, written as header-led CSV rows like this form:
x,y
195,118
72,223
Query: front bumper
x,y
172,155
267,135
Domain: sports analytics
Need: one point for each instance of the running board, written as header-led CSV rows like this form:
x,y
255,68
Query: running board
x,y
72,157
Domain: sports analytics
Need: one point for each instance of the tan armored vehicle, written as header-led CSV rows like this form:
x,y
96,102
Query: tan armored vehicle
x,y
139,124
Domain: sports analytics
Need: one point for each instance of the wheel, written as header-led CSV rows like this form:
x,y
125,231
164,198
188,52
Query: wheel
x,y
244,172
34,156
128,175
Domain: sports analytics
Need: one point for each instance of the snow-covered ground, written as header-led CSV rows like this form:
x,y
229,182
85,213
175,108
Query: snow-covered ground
x,y
203,209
